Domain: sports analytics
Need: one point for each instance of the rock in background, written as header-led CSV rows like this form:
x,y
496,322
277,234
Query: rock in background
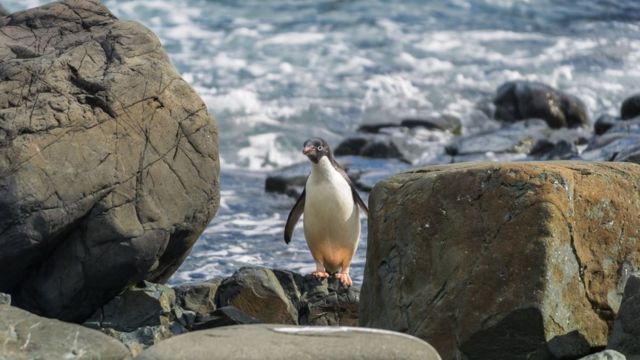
x,y
108,159
502,260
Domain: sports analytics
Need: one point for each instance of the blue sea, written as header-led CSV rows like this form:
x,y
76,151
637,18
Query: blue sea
x,y
274,73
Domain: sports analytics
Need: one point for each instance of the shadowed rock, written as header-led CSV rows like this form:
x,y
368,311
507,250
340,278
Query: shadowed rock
x,y
108,159
630,107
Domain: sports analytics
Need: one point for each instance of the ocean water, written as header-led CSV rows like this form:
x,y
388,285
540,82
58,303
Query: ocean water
x,y
274,73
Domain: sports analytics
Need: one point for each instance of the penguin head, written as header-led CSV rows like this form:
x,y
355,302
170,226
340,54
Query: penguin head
x,y
315,148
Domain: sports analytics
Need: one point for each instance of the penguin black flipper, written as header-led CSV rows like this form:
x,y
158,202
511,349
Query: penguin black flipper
x,y
354,192
293,218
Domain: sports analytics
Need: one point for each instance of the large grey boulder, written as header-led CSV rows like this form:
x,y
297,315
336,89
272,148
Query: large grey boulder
x,y
271,342
502,260
108,159
28,336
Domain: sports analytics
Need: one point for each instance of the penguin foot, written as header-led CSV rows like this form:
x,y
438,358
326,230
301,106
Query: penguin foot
x,y
320,275
344,278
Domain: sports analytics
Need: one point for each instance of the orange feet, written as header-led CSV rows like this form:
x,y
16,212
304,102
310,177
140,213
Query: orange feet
x,y
320,275
344,278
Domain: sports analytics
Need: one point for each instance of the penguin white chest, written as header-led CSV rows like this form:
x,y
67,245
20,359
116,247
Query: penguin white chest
x,y
331,218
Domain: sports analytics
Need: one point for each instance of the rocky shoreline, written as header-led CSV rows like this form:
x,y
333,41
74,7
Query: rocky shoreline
x,y
110,172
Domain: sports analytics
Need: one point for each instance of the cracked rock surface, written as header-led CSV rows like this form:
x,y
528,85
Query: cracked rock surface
x,y
27,336
108,159
502,260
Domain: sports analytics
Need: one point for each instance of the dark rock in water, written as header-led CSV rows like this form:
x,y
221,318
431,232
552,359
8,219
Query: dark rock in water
x,y
27,336
374,147
529,278
351,146
521,100
275,342
545,149
630,107
142,316
224,316
604,123
381,150
625,335
629,155
111,174
375,128
443,122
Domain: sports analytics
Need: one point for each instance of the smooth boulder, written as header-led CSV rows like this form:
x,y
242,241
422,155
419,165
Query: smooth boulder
x,y
502,260
271,342
625,335
108,159
630,107
521,100
28,336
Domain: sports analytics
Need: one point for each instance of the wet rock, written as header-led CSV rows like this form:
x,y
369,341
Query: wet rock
x,y
521,100
28,336
625,335
619,143
545,149
89,100
630,107
141,316
270,342
505,260
258,293
443,122
605,355
604,123
373,147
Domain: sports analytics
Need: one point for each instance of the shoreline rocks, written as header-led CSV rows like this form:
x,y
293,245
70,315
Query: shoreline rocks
x,y
108,159
502,260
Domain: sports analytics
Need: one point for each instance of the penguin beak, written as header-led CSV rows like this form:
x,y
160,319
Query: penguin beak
x,y
308,150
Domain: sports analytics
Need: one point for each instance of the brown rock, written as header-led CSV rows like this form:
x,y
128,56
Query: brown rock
x,y
108,159
502,260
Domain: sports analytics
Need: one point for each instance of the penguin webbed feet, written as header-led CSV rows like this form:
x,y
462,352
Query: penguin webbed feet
x,y
345,278
320,275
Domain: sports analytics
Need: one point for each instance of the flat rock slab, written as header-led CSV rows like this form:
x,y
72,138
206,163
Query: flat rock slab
x,y
108,159
502,260
271,342
28,336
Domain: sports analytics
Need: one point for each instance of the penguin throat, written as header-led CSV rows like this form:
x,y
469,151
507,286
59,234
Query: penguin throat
x,y
323,165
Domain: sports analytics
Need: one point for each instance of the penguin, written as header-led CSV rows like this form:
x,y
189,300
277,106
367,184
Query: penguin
x,y
331,206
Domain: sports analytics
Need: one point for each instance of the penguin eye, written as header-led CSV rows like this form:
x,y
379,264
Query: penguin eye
x,y
319,147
